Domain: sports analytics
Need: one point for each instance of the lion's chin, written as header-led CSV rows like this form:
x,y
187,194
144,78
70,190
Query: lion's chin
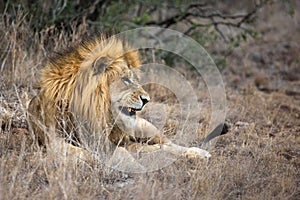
x,y
129,111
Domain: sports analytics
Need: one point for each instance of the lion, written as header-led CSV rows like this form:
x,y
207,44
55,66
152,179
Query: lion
x,y
92,91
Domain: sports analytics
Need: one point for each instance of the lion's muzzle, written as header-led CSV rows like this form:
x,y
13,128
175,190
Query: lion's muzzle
x,y
145,99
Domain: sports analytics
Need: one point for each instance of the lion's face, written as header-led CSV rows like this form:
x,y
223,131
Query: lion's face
x,y
127,97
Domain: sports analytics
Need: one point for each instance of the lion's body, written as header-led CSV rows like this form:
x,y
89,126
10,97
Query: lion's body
x,y
93,83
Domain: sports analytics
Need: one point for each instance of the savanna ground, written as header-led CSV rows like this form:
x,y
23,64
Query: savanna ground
x,y
259,158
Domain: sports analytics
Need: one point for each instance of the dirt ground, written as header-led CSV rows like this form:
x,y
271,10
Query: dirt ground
x,y
259,158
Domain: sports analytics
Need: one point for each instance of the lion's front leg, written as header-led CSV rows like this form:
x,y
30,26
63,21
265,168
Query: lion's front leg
x,y
189,152
156,141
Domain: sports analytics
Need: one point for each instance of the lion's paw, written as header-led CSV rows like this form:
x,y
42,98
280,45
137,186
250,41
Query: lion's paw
x,y
194,152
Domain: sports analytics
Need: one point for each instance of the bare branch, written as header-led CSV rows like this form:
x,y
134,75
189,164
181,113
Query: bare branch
x,y
197,11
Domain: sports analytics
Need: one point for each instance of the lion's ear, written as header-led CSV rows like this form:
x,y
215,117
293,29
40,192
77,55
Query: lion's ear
x,y
99,65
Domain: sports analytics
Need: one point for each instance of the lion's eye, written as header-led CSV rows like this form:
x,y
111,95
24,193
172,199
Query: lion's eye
x,y
126,80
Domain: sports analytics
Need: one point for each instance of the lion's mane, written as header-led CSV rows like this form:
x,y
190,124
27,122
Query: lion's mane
x,y
69,84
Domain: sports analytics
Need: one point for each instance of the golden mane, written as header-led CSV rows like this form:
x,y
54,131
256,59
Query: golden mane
x,y
69,82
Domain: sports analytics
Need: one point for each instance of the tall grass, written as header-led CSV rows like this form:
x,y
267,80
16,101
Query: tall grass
x,y
248,163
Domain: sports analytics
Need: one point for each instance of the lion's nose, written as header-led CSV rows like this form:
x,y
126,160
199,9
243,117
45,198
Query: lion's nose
x,y
145,99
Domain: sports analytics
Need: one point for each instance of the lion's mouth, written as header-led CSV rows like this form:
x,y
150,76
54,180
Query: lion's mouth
x,y
129,111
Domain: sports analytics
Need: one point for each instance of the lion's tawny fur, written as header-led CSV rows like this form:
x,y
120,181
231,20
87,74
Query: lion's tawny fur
x,y
94,89
90,99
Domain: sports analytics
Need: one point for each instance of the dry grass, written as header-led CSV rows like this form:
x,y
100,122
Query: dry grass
x,y
258,159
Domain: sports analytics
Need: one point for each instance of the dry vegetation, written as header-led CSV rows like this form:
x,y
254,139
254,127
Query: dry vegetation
x,y
258,159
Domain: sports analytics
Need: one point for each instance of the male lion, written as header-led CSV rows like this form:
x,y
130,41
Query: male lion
x,y
92,90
